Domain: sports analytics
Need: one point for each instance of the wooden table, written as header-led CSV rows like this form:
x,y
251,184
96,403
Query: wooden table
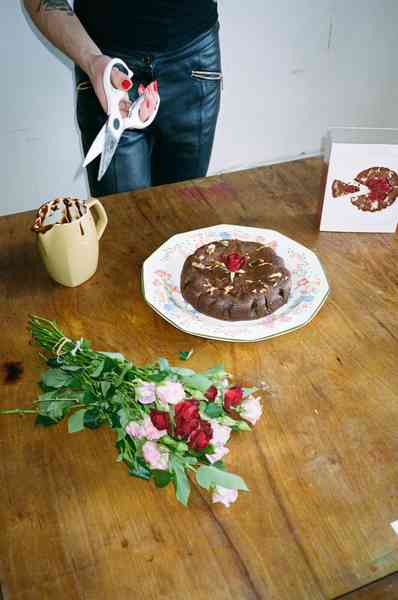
x,y
322,464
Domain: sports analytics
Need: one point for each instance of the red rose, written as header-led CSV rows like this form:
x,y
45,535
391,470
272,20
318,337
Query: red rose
x,y
200,437
234,262
160,419
233,397
211,393
186,417
187,409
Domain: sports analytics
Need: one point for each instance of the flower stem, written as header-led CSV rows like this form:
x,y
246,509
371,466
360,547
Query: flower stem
x,y
17,411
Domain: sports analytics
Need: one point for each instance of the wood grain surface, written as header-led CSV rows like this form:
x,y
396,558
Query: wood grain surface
x,y
321,465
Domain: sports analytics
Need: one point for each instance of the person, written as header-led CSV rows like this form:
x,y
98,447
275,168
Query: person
x,y
172,47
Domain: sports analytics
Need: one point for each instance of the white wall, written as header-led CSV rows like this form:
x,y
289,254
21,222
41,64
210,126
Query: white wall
x,y
291,69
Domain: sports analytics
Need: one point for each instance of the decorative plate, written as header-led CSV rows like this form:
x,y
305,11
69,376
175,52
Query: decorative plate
x,y
161,285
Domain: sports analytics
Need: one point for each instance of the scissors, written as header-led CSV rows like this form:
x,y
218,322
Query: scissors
x,y
108,138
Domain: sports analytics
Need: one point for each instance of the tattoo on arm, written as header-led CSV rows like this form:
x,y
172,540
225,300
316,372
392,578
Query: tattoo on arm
x,y
62,5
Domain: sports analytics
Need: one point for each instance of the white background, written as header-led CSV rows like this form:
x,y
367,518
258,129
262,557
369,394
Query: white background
x,y
292,68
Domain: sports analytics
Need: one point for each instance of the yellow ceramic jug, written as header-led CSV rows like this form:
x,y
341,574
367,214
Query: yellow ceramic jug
x,y
70,250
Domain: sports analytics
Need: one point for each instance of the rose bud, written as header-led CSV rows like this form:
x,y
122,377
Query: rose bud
x,y
211,393
160,419
233,397
234,262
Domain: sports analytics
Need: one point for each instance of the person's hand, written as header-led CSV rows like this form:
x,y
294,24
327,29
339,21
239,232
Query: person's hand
x,y
151,97
120,81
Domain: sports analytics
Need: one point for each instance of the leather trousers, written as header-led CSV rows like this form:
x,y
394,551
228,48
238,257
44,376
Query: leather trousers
x,y
178,144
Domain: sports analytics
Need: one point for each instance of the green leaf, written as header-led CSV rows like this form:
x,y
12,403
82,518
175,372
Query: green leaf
x,y
219,465
75,381
181,484
186,355
248,391
182,372
89,397
98,368
197,394
92,418
115,420
225,420
218,372
208,477
110,364
56,378
85,344
141,471
158,377
76,421
161,478
71,368
43,421
198,382
241,426
190,460
105,387
214,410
164,364
114,355
55,404
125,416
58,409
53,362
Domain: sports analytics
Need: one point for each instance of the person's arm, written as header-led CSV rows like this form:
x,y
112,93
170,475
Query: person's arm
x,y
59,24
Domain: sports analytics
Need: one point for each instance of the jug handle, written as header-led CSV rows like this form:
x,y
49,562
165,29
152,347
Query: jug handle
x,y
101,220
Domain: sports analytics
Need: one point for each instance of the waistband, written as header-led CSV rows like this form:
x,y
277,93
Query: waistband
x,y
196,45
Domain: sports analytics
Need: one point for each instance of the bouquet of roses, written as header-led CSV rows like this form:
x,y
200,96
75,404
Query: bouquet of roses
x,y
169,422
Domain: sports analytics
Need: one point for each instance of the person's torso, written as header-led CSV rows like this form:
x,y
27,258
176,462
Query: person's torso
x,y
145,25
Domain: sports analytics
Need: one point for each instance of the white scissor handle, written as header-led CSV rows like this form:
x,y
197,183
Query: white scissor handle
x,y
113,95
133,121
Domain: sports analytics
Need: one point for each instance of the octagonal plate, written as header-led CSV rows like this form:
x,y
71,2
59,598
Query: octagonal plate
x,y
161,285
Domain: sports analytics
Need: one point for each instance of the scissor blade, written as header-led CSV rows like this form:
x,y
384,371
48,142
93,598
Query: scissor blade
x,y
111,141
96,147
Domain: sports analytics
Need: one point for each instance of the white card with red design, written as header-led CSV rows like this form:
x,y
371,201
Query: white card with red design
x,y
361,193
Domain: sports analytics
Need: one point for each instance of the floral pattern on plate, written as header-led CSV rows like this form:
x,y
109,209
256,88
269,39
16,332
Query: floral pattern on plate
x,y
161,285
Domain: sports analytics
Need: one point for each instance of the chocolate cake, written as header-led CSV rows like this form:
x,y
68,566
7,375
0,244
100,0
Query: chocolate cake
x,y
235,280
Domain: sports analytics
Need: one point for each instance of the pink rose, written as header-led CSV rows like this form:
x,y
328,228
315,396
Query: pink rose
x,y
251,409
134,429
218,454
145,392
224,495
145,429
221,434
156,456
170,392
